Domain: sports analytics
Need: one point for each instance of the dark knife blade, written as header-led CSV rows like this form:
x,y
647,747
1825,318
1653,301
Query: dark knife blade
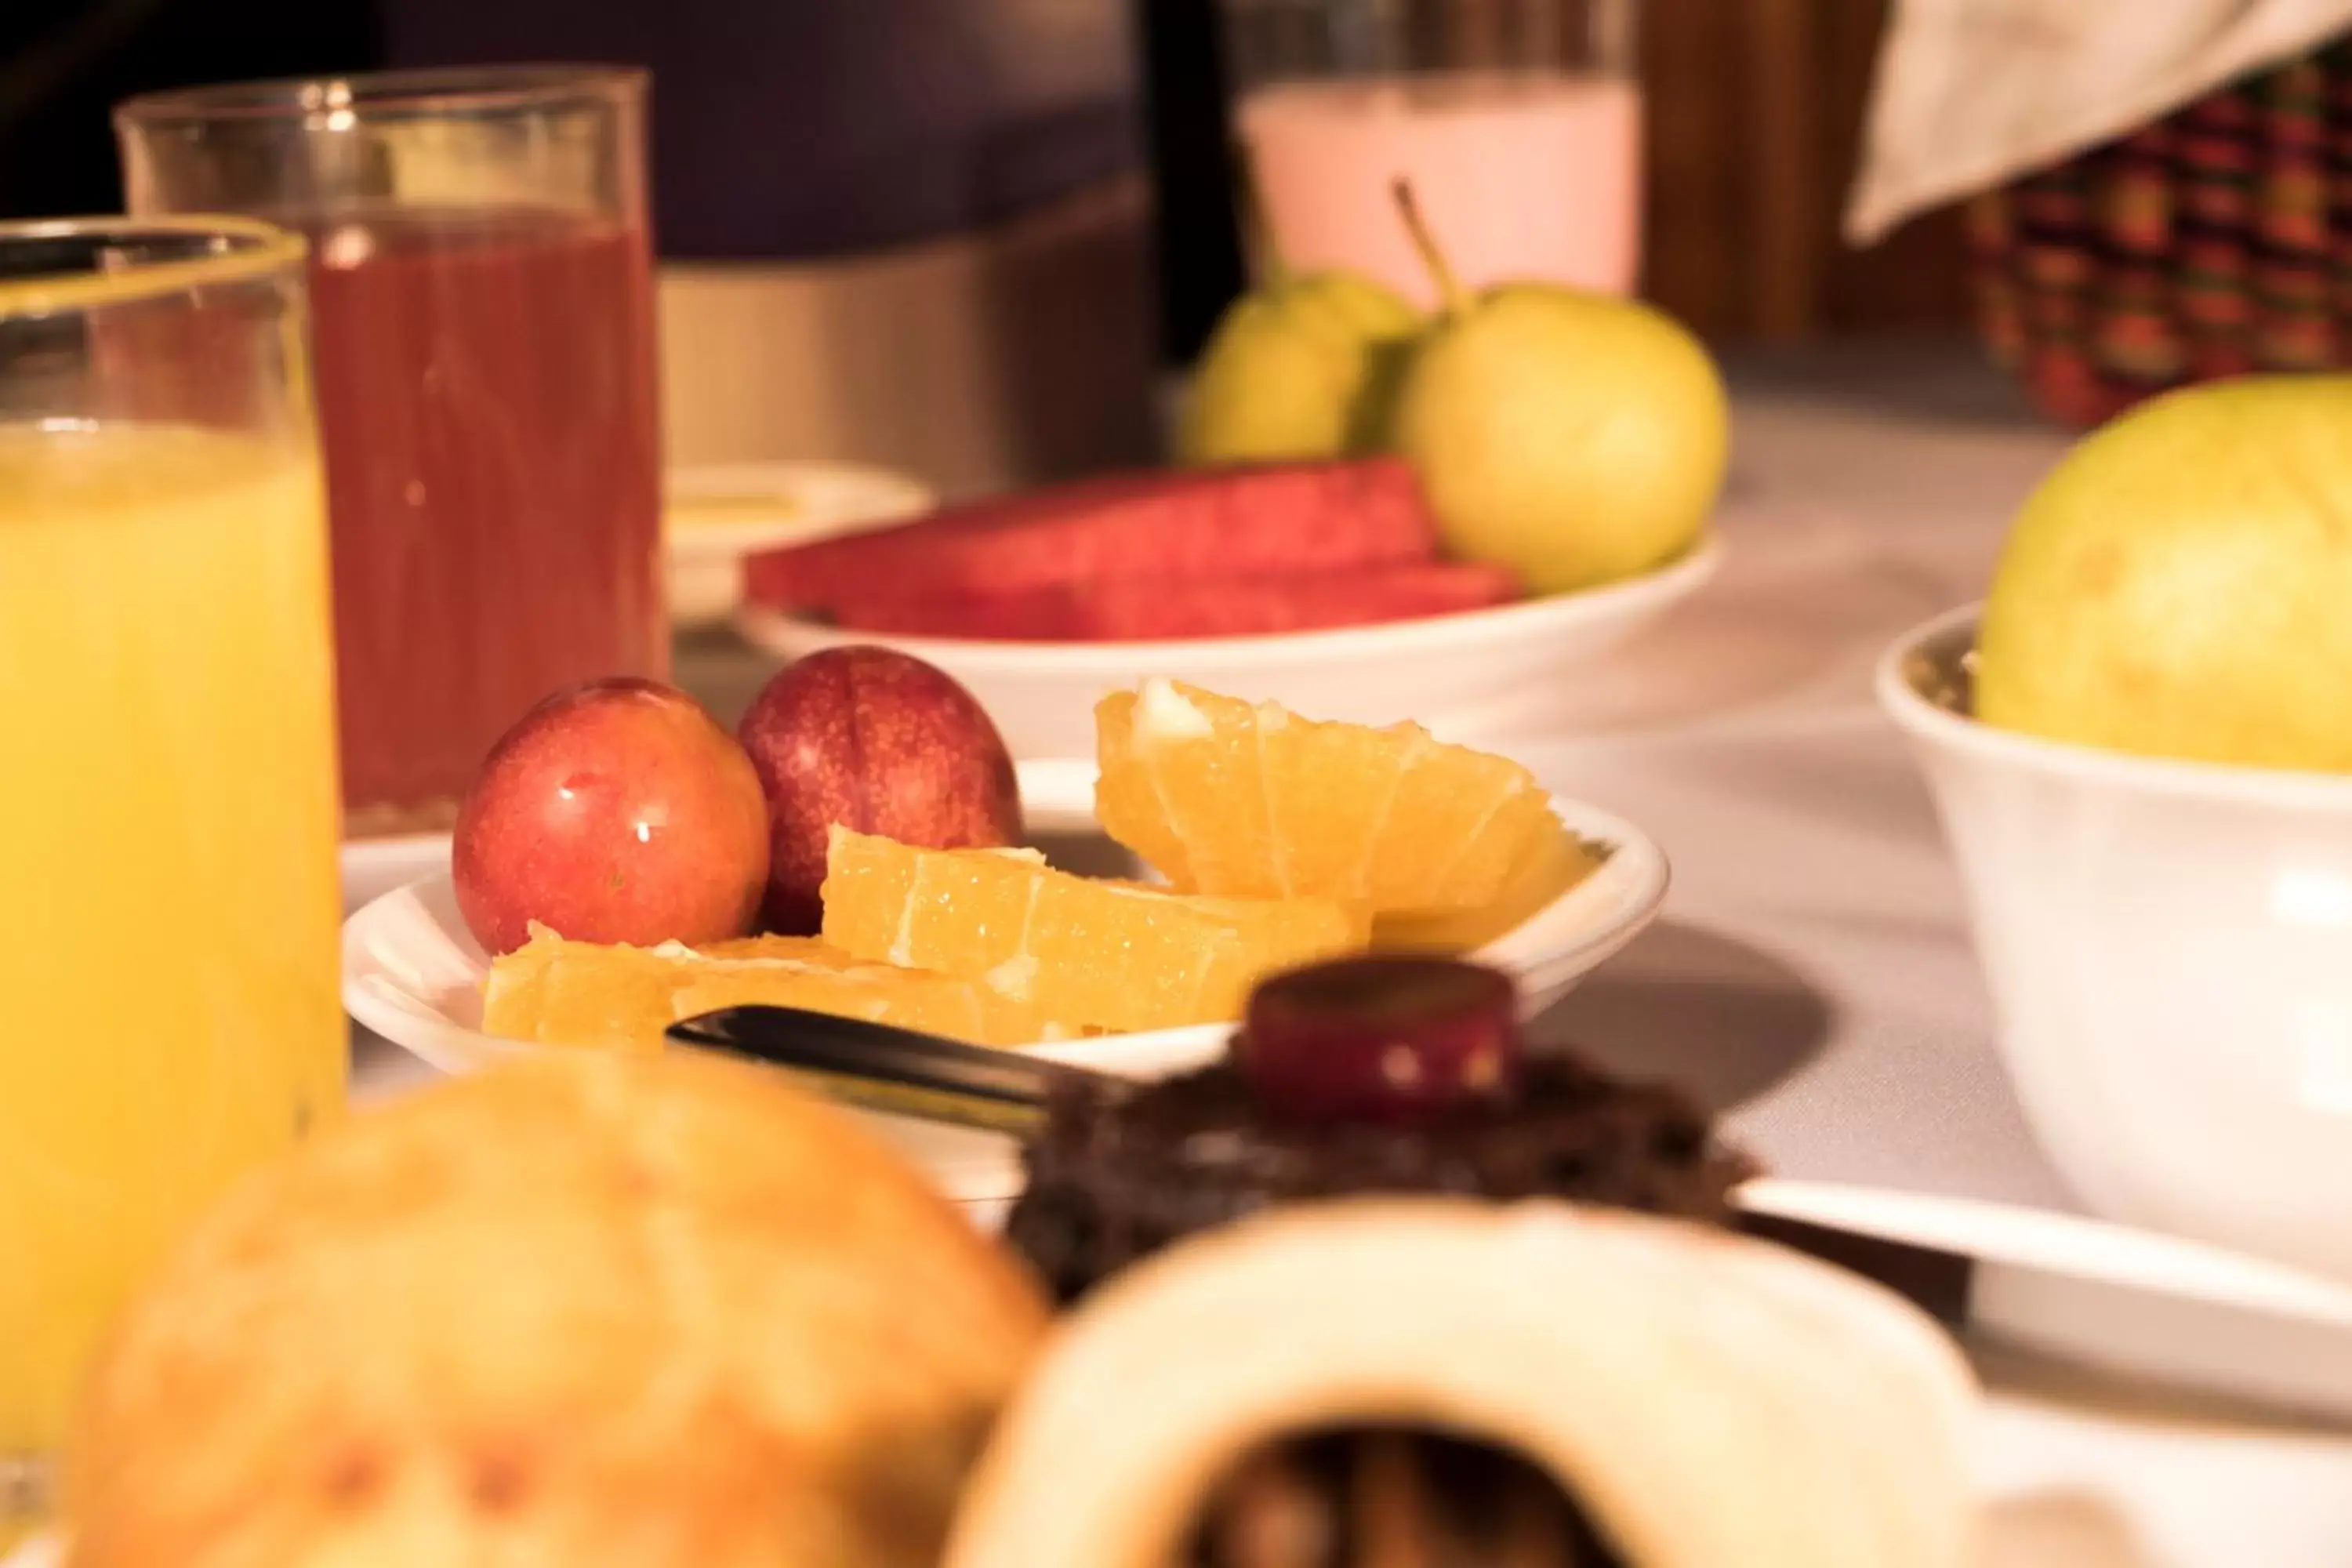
x,y
898,1072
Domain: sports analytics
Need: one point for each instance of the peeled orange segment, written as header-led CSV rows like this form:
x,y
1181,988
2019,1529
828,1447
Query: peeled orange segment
x,y
1555,865
583,994
1459,826
1229,798
1322,842
1127,791
579,994
807,950
1110,955
1200,808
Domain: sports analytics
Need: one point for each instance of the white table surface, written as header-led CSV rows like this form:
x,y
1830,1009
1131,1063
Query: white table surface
x,y
1812,972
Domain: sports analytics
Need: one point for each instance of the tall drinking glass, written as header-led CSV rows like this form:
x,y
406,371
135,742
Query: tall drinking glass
x,y
168,818
1518,123
481,287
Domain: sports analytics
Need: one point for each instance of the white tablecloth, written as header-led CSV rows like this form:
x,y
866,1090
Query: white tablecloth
x,y
1814,964
1812,972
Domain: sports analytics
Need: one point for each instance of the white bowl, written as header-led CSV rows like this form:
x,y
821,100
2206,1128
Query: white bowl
x,y
2170,950
1470,677
413,974
765,506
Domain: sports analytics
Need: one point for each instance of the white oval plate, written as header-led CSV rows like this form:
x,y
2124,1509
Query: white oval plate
x,y
374,866
768,505
413,974
1469,677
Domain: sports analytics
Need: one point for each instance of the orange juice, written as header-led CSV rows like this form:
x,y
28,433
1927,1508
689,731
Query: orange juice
x,y
168,829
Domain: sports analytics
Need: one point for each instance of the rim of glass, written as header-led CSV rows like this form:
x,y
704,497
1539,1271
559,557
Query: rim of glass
x,y
424,90
257,250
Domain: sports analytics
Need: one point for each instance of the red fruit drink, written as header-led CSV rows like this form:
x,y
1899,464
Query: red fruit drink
x,y
485,390
481,300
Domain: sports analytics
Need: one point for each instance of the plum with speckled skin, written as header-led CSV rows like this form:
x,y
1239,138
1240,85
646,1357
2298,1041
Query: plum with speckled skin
x,y
881,742
617,811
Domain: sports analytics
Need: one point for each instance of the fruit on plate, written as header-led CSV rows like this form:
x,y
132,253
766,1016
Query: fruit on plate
x,y
617,811
871,739
1231,552
1288,841
1577,438
1303,367
1156,527
2178,586
1560,862
1141,609
583,994
1230,797
596,1310
1103,955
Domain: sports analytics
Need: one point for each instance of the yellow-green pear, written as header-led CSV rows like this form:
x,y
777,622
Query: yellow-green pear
x,y
1575,437
1301,368
2181,585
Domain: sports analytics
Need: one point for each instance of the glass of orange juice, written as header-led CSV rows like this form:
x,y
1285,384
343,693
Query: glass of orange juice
x,y
168,812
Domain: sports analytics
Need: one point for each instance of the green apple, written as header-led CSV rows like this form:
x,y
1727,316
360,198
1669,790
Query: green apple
x,y
1577,438
2181,585
1301,368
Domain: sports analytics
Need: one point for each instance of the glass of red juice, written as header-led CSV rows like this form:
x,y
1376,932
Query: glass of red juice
x,y
481,300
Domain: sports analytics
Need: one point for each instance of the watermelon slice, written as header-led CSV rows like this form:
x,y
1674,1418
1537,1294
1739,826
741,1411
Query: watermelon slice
x,y
1141,610
1160,526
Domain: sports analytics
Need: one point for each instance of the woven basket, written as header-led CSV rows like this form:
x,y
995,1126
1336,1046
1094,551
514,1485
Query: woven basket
x,y
2215,242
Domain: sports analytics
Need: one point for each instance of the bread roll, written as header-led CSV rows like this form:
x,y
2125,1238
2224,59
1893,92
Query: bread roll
x,y
588,1311
1705,1400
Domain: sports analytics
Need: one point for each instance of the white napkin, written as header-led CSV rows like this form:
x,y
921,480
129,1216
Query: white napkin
x,y
1971,92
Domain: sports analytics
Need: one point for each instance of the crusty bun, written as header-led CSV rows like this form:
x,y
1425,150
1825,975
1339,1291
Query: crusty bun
x,y
1705,1400
583,1311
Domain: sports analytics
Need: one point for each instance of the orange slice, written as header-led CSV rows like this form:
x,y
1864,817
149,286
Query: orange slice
x,y
1551,868
1228,797
1111,955
584,993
